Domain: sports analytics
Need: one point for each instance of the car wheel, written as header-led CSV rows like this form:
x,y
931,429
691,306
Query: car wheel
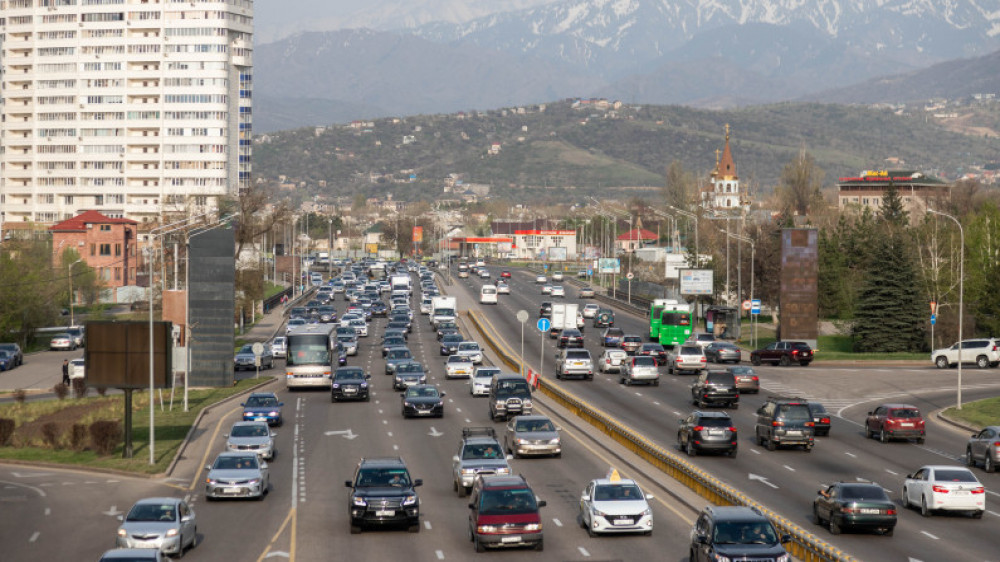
x,y
734,405
883,436
702,404
771,445
760,441
977,514
462,491
808,448
904,499
732,452
480,547
784,361
194,539
540,545
924,510
817,520
414,528
656,382
989,465
941,362
804,363
834,527
333,398
888,532
982,362
969,460
690,450
755,361
920,440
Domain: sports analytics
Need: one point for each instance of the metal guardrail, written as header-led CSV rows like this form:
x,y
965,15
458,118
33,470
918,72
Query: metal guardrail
x,y
273,301
805,546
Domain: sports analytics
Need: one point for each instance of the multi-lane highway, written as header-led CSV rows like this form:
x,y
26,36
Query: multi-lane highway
x,y
49,512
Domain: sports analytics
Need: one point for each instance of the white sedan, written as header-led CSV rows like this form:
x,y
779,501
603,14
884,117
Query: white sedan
x,y
590,310
558,291
615,505
546,289
458,367
541,279
360,326
471,350
503,288
946,488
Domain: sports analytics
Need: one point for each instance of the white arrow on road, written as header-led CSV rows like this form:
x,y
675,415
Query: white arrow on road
x,y
435,433
113,512
346,433
761,479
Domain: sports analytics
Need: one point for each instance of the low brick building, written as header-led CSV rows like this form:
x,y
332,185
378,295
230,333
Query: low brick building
x,y
105,244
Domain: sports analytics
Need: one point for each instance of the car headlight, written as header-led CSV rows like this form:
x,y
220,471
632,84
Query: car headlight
x,y
410,500
526,403
554,441
408,404
273,413
721,558
783,558
533,527
503,470
122,533
521,441
423,379
359,502
211,481
598,512
646,512
364,385
486,529
336,385
171,533
468,471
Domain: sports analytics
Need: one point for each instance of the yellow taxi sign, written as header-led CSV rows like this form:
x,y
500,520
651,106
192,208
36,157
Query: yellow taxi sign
x,y
613,475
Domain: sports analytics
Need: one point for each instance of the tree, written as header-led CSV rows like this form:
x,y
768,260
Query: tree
x,y
254,215
679,186
798,190
29,288
982,269
892,210
890,313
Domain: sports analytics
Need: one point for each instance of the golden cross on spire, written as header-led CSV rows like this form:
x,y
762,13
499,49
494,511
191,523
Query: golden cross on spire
x,y
727,131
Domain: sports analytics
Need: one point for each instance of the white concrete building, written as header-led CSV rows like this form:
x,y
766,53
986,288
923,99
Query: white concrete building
x,y
132,108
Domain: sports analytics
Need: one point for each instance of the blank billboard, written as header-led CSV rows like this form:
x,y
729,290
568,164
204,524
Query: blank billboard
x,y
117,354
799,312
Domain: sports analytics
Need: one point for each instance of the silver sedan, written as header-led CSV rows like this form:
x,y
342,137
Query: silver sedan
x,y
532,435
237,475
167,524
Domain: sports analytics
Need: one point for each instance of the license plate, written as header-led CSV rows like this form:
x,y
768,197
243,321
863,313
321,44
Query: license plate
x,y
349,391
510,539
961,493
623,522
231,491
384,513
870,511
906,424
577,363
793,432
260,418
715,432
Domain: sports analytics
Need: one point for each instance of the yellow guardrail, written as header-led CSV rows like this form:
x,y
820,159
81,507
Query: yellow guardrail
x,y
804,546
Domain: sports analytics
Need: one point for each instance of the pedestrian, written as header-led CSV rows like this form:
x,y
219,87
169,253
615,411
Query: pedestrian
x,y
65,380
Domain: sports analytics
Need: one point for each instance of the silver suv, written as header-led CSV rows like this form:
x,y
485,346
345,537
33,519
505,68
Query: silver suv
x,y
983,352
687,357
479,454
574,363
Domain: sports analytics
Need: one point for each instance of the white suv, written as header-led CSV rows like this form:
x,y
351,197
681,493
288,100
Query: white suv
x,y
983,352
688,357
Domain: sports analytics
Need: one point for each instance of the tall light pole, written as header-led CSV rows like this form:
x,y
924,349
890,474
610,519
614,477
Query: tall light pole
x,y
753,253
69,273
961,296
689,214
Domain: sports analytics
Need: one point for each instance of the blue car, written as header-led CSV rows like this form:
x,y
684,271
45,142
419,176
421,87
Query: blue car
x,y
263,406
6,361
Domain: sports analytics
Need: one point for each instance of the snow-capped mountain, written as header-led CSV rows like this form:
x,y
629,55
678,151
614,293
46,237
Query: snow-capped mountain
x,y
619,37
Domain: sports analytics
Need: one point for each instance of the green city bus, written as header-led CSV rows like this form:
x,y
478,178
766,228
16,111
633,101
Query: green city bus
x,y
675,325
655,308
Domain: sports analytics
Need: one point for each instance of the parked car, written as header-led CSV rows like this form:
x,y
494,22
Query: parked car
x,y
7,361
854,505
982,352
944,488
166,524
79,335
746,379
245,358
783,353
62,342
895,421
723,352
615,505
984,447
15,352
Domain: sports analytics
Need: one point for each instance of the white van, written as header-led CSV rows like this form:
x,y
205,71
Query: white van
x,y
488,294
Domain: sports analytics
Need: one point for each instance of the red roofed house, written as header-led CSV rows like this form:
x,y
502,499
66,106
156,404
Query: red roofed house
x,y
634,239
105,244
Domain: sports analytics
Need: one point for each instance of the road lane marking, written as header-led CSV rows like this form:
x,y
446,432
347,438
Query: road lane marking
x,y
427,525
583,551
929,535
557,522
852,455
789,468
291,517
34,537
208,449
439,554
891,472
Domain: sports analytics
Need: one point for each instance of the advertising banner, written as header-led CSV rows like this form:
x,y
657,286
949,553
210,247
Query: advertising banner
x,y
609,265
418,234
696,281
557,253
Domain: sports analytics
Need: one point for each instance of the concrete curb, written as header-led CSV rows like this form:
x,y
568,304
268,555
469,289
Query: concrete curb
x,y
939,414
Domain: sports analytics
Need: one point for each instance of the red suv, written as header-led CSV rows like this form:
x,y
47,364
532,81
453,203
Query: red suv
x,y
504,513
505,274
895,421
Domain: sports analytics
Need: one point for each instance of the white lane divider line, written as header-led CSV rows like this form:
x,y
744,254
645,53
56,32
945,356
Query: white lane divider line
x,y
788,468
852,455
427,525
439,554
34,536
583,551
929,535
891,472
557,522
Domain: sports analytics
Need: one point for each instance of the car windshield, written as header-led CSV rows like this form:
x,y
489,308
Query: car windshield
x,y
382,477
508,387
744,532
498,502
534,425
152,512
954,475
690,350
349,374
426,392
720,378
578,354
481,451
863,493
486,373
715,422
907,413
794,412
458,359
399,354
644,362
468,346
652,347
250,430
741,370
409,368
261,401
617,492
616,332
236,463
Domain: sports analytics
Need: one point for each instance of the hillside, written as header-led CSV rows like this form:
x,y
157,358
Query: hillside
x,y
566,154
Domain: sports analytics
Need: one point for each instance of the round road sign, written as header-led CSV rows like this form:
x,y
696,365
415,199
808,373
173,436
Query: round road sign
x,y
544,324
258,348
522,316
746,305
630,276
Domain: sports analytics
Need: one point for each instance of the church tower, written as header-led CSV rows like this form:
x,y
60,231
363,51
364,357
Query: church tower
x,y
723,193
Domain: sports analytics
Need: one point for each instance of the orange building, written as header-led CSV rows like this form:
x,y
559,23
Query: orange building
x,y
105,244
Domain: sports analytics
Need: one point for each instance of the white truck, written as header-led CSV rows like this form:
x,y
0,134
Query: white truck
x,y
563,318
401,282
443,309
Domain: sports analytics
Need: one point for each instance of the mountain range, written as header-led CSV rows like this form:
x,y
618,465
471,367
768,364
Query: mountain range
x,y
707,53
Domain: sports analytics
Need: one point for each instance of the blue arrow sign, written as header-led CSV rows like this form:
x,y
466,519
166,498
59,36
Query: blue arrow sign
x,y
544,324
933,319
590,272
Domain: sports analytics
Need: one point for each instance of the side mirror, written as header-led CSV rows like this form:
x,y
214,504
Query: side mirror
x,y
786,539
509,457
444,394
280,404
541,503
702,539
274,434
472,506
910,476
650,496
367,377
869,413
208,467
225,436
418,482
348,483
455,458
584,498
263,465
244,404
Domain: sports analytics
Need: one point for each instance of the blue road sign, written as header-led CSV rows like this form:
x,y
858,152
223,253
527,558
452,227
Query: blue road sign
x,y
933,319
755,306
544,324
590,272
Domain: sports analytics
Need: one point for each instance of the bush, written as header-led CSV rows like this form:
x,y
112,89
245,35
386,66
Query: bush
x,y
6,431
20,396
102,390
78,437
50,434
79,388
60,390
105,436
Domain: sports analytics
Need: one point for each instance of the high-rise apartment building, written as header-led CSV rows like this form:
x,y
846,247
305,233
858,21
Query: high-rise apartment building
x,y
132,108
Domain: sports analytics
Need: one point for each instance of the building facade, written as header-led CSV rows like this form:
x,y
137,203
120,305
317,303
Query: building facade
x,y
107,245
916,190
131,108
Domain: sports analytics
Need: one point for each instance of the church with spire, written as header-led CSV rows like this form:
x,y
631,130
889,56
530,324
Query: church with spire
x,y
723,193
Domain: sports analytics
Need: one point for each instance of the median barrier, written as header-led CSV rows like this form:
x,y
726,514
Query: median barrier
x,y
805,546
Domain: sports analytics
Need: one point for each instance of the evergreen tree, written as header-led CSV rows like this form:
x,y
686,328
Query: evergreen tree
x,y
890,314
892,210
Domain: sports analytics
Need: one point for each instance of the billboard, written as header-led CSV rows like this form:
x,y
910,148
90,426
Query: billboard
x,y
798,299
505,247
418,234
696,281
557,253
609,265
117,354
212,306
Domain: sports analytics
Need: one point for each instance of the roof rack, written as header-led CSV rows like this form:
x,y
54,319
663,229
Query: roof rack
x,y
479,431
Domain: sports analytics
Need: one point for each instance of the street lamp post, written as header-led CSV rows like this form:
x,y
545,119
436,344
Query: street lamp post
x,y
753,254
69,273
689,214
961,295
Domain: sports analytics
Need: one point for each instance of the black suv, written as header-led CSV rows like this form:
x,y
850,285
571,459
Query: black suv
x,y
349,383
715,387
382,493
784,421
545,311
707,431
736,533
510,395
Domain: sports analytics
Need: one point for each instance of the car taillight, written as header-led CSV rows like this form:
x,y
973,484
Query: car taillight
x,y
703,360
940,489
777,424
996,444
755,378
810,424
890,511
698,427
732,429
824,420
979,490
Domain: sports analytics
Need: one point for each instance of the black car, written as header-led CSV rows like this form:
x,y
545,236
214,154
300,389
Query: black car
x,y
854,505
394,332
545,311
423,400
821,418
445,328
655,350
449,343
349,383
715,387
702,432
736,533
392,341
398,325
784,421
382,493
570,338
